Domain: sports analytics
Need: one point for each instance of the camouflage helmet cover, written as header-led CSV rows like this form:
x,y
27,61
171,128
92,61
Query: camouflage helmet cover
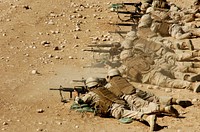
x,y
113,72
125,54
91,82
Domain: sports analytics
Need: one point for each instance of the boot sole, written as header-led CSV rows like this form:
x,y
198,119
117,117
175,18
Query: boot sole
x,y
152,122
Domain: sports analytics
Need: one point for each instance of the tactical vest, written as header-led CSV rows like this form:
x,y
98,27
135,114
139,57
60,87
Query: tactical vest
x,y
120,86
137,66
163,29
106,99
146,46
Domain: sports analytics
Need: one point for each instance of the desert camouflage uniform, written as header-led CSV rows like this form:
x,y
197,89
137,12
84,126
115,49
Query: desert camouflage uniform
x,y
123,89
113,108
160,50
140,70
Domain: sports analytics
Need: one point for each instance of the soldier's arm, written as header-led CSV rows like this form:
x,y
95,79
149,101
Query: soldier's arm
x,y
87,98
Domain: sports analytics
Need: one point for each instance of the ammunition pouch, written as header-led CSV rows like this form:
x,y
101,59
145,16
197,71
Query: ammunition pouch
x,y
106,99
120,86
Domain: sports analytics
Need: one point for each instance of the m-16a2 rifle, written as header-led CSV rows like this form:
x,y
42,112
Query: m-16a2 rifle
x,y
115,44
78,89
133,16
112,52
121,5
101,81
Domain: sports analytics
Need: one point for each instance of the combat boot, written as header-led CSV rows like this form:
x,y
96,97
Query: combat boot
x,y
182,103
192,77
169,110
151,120
196,54
195,87
193,70
196,64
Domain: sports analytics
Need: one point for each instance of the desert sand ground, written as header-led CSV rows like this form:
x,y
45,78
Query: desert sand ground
x,y
41,48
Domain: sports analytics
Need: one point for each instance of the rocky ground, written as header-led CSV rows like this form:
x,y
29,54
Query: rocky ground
x,y
41,47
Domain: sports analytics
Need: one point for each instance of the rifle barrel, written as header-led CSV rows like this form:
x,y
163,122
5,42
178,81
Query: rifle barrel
x,y
126,12
121,32
99,45
100,51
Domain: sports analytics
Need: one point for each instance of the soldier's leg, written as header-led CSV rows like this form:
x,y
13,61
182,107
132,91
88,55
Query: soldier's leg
x,y
118,111
193,70
159,79
195,32
191,77
137,103
181,36
187,67
186,55
148,96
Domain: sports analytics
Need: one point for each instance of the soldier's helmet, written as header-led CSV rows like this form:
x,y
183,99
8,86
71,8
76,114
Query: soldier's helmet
x,y
127,44
132,35
196,2
149,10
113,72
91,82
156,3
125,54
145,21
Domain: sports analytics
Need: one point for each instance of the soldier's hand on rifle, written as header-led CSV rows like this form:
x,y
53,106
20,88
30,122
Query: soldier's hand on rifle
x,y
75,93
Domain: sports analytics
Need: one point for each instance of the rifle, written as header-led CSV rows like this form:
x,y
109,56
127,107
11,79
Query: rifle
x,y
112,52
121,5
79,89
133,4
120,32
115,44
101,81
123,24
134,16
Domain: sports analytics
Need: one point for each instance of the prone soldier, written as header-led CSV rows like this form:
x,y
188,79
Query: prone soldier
x,y
141,69
107,104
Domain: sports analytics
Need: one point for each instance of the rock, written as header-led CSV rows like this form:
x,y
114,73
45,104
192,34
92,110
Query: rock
x,y
59,123
50,22
40,110
57,57
39,129
27,7
76,37
50,55
88,30
80,16
77,126
5,123
56,48
70,57
55,32
75,46
45,42
34,72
